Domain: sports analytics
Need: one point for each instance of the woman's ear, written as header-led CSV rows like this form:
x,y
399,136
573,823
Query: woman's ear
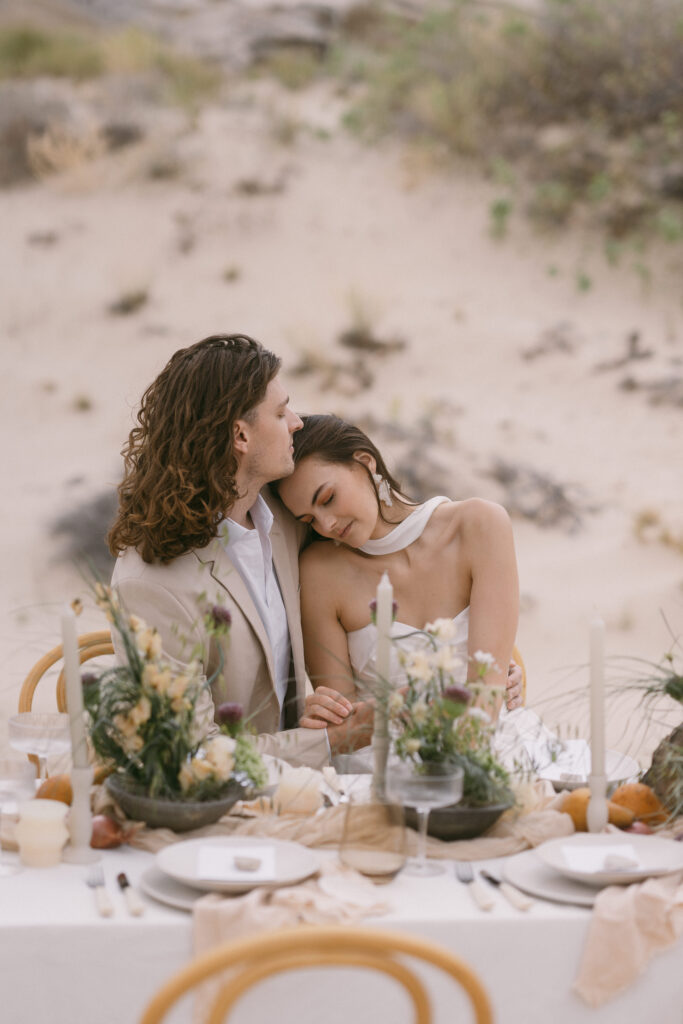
x,y
367,460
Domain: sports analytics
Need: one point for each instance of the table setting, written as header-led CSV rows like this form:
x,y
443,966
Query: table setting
x,y
559,914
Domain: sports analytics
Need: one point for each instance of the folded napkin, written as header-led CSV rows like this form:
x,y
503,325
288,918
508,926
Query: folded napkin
x,y
337,895
630,924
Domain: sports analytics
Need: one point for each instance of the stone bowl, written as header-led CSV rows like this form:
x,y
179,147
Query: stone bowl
x,y
160,812
457,821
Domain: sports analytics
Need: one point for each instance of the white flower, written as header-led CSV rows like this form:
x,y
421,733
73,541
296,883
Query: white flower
x,y
485,660
420,711
480,714
396,702
442,629
447,660
412,746
419,666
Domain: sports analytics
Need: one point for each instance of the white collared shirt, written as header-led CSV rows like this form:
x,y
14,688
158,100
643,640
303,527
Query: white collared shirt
x,y
251,553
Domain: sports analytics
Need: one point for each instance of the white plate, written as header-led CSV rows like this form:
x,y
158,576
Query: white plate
x,y
293,863
573,765
530,875
655,856
164,889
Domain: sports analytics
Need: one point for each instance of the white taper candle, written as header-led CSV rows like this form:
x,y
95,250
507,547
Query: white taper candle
x,y
597,702
74,691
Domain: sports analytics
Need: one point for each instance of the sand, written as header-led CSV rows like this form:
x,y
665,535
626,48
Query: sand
x,y
339,228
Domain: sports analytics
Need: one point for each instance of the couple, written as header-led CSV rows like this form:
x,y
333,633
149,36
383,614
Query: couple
x,y
197,526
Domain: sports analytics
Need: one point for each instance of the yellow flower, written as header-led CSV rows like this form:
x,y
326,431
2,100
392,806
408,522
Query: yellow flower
x,y
185,777
219,751
157,678
141,712
201,769
412,746
149,643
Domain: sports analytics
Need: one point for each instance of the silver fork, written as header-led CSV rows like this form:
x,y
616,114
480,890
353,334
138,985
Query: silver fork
x,y
478,892
95,879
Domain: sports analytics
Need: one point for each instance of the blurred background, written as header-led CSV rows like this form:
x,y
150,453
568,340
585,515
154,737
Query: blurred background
x,y
459,224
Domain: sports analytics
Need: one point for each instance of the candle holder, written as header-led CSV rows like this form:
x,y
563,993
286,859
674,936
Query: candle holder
x,y
79,850
597,813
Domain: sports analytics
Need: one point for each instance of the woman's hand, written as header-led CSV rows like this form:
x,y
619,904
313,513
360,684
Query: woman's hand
x,y
325,707
513,689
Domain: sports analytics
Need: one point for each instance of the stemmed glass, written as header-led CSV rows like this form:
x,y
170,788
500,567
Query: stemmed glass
x,y
423,786
17,783
45,734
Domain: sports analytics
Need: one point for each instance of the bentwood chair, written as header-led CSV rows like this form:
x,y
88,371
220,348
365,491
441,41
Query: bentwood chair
x,y
90,645
253,959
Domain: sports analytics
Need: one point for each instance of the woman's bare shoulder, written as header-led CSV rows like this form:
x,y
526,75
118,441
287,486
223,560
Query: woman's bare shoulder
x,y
472,513
321,557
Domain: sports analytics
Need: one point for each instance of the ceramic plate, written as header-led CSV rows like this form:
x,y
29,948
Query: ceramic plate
x,y
293,863
530,875
164,889
611,858
573,765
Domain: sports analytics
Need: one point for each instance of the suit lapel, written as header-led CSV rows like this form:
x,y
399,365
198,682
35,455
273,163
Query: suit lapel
x,y
221,569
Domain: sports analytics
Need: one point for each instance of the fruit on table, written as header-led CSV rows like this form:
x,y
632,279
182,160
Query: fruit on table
x,y
642,800
575,804
56,787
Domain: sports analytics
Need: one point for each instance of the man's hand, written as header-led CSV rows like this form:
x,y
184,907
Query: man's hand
x,y
355,731
325,707
513,690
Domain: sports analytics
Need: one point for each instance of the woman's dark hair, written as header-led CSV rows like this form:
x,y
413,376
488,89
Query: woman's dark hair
x,y
180,463
333,440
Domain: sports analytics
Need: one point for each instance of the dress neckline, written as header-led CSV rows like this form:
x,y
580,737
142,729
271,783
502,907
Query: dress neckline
x,y
405,532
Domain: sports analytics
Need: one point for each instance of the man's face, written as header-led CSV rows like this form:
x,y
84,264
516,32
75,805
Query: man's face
x,y
270,454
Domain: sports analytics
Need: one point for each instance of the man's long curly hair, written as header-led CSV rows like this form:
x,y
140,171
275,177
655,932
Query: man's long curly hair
x,y
179,461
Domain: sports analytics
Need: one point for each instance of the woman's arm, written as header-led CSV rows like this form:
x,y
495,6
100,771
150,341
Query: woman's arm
x,y
325,645
494,597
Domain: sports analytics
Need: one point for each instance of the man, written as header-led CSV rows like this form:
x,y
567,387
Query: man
x,y
196,530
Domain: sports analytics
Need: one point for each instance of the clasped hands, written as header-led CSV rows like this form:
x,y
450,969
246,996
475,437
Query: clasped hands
x,y
349,723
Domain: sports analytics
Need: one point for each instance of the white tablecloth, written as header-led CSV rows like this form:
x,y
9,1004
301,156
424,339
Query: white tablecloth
x,y
62,964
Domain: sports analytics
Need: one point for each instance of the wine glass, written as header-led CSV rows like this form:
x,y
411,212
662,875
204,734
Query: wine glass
x,y
17,783
423,786
374,839
45,734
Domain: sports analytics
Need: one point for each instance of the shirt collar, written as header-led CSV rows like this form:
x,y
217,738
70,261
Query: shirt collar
x,y
262,518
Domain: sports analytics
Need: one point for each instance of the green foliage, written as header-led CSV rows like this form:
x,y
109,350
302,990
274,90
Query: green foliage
x,y
499,213
27,52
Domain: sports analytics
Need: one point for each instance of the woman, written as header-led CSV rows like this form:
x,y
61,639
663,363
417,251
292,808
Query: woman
x,y
445,559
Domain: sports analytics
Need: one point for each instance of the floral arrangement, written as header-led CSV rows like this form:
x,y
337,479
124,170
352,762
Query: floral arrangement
x,y
142,717
433,718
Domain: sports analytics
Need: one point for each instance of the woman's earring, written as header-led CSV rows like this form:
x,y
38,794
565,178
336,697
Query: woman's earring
x,y
383,489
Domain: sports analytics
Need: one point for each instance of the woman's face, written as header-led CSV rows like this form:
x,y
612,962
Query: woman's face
x,y
338,500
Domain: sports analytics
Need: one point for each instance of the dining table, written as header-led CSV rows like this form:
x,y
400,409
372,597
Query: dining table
x,y
63,963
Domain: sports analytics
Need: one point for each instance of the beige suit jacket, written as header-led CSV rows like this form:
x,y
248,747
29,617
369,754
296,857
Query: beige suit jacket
x,y
174,598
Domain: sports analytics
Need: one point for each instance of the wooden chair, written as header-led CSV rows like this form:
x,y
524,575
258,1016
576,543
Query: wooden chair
x,y
90,645
253,959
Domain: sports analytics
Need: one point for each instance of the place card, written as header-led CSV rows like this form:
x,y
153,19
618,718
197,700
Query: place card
x,y
606,857
241,864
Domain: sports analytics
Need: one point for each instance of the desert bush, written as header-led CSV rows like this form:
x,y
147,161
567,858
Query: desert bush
x,y
585,95
28,52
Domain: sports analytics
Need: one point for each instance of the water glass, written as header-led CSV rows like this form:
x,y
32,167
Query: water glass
x,y
44,734
17,783
374,839
423,786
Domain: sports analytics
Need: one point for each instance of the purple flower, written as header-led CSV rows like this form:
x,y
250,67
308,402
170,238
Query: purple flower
x,y
230,713
458,694
220,616
373,610
88,679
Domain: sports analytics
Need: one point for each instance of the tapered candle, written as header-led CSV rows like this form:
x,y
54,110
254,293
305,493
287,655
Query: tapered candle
x,y
74,691
597,702
384,616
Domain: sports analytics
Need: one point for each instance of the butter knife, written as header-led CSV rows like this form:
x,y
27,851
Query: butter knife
x,y
515,897
132,897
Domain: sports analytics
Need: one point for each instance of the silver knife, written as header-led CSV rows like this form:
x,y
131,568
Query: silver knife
x,y
514,896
